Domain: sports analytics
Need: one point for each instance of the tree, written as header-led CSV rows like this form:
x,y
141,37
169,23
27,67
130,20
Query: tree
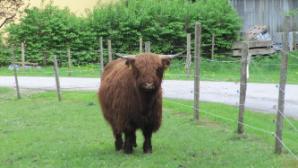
x,y
9,10
50,30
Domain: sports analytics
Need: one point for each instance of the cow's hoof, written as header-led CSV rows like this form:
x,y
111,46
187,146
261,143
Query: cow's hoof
x,y
147,150
128,151
118,146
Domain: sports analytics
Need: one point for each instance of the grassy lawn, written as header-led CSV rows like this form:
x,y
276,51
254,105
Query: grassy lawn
x,y
262,69
38,131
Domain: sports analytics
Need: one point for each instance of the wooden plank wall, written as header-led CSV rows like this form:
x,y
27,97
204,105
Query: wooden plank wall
x,y
265,12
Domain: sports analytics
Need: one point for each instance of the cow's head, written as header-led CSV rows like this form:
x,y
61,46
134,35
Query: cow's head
x,y
148,70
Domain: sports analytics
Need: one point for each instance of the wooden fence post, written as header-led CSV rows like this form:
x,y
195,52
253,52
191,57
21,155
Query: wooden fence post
x,y
141,44
23,54
147,46
110,50
188,55
197,56
101,55
15,73
282,87
248,64
291,41
294,40
69,61
243,87
56,69
213,46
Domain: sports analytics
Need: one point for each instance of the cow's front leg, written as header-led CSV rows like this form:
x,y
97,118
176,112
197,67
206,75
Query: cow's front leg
x,y
118,139
129,141
134,140
147,146
118,142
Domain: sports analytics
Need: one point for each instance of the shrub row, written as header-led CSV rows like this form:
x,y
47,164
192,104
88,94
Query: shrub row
x,y
165,23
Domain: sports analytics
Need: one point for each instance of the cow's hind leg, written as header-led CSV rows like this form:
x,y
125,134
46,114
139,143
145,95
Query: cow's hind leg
x,y
147,146
118,140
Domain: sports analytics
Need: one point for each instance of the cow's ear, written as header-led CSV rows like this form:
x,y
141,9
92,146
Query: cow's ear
x,y
166,62
129,62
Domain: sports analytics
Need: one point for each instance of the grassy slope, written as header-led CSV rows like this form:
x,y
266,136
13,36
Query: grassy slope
x,y
264,70
37,131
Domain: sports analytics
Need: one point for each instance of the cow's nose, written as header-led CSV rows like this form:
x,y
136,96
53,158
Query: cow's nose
x,y
149,85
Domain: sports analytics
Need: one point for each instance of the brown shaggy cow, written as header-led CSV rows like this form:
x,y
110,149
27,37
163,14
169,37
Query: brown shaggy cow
x,y
131,98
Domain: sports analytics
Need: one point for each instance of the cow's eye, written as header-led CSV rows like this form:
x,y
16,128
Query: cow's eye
x,y
159,71
136,73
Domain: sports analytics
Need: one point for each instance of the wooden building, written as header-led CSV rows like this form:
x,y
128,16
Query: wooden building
x,y
265,12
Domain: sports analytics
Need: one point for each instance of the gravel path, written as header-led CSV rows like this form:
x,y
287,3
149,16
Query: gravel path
x,y
260,97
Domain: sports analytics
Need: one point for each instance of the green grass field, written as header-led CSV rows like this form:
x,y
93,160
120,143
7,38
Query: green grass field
x,y
262,69
38,131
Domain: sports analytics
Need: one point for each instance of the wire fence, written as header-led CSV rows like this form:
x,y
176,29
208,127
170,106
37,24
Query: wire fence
x,y
212,69
27,92
248,126
95,68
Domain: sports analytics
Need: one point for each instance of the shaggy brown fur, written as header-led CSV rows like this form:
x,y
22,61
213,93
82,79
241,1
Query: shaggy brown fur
x,y
131,98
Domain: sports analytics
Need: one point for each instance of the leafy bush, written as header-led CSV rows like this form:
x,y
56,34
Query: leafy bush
x,y
50,31
4,53
163,22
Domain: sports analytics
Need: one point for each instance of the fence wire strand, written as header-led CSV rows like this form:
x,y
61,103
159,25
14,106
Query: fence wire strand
x,y
236,61
272,133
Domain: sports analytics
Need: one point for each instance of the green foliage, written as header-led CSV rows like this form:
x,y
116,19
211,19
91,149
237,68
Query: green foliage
x,y
4,53
165,23
293,12
50,31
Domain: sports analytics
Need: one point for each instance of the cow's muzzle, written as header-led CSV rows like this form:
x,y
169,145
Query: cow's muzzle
x,y
149,86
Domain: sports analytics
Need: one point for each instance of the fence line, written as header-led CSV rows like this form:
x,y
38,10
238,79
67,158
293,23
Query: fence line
x,y
243,87
101,55
188,55
173,66
147,46
290,123
16,74
294,56
56,70
141,45
181,56
285,146
189,107
245,124
74,88
196,108
222,117
282,86
212,60
197,58
52,88
69,60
